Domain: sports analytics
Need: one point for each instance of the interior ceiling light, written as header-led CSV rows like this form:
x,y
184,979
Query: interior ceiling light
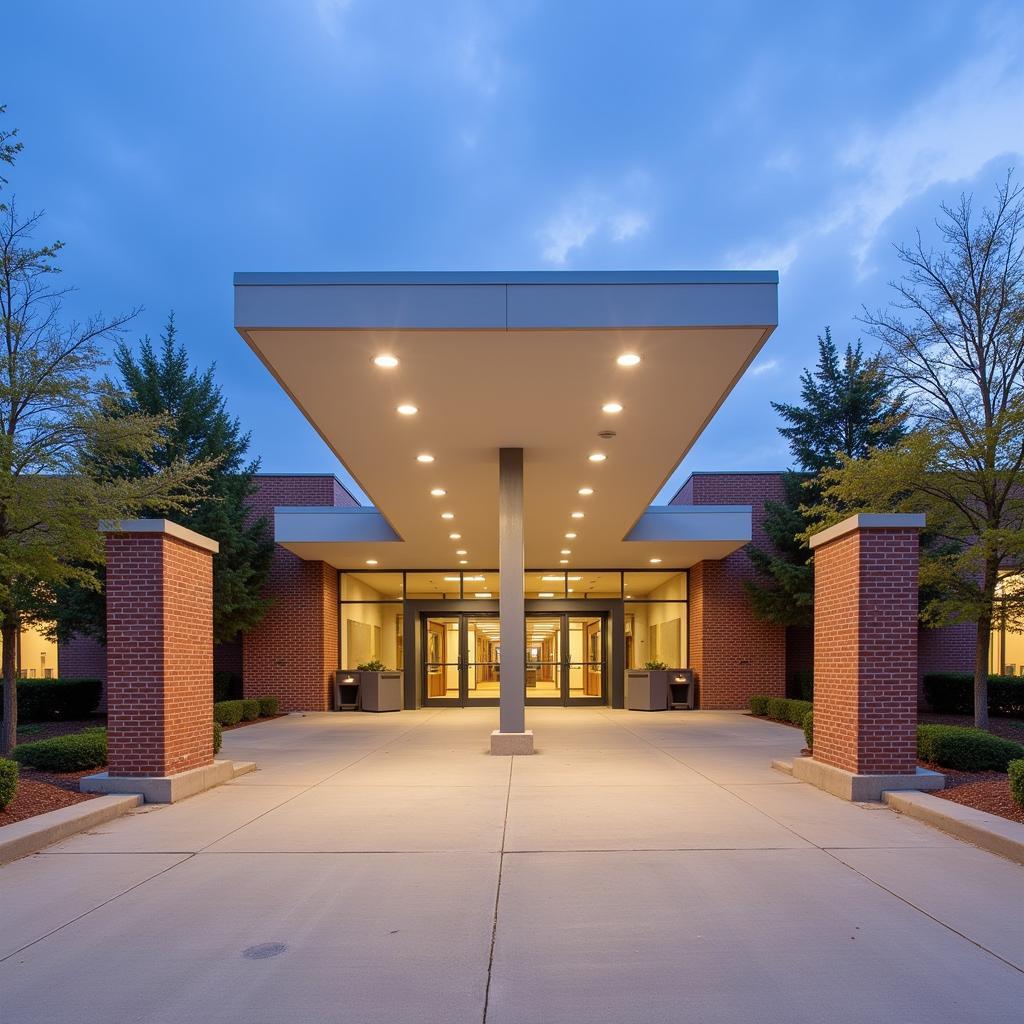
x,y
628,359
585,492
424,458
570,536
438,492
612,407
462,561
565,551
577,515
546,593
385,361
407,410
455,536
447,515
563,561
462,551
371,561
559,578
597,456
483,593
654,561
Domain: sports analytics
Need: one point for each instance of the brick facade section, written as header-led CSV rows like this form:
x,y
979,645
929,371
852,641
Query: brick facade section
x,y
865,651
159,655
293,652
733,654
82,657
947,649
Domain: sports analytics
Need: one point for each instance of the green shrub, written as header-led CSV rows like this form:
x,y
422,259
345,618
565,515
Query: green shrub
x,y
218,738
72,753
778,708
250,710
268,706
376,665
809,729
952,693
8,781
759,705
226,686
1015,769
968,750
796,711
228,712
40,700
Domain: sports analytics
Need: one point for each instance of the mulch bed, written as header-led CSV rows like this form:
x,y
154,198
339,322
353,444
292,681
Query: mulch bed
x,y
39,792
29,732
984,791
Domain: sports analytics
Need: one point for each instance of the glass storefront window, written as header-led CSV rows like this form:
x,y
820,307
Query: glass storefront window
x,y
428,586
371,586
371,632
1006,649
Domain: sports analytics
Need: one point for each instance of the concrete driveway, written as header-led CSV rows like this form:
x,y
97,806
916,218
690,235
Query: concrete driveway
x,y
639,868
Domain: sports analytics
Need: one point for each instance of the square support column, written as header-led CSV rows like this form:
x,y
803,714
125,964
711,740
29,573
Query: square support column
x,y
159,661
512,736
865,659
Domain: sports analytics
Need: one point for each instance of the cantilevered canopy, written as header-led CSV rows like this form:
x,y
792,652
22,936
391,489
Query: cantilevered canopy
x,y
509,360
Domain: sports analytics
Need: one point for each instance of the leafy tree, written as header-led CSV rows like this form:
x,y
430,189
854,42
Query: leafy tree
x,y
849,407
953,339
53,409
159,381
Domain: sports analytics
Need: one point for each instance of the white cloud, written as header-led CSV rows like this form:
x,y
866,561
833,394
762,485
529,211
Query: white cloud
x,y
768,366
589,214
947,138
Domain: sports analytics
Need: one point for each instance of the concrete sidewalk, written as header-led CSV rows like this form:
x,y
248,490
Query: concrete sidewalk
x,y
639,868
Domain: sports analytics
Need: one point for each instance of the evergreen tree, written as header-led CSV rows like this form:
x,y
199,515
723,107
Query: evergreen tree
x,y
159,381
848,408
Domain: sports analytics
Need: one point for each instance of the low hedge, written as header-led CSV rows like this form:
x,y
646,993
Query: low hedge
x,y
228,712
809,729
965,749
72,753
759,705
9,781
268,706
781,709
952,693
1015,769
250,710
218,738
42,700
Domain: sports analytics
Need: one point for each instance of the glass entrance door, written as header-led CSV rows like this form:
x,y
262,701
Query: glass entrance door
x,y
565,658
461,659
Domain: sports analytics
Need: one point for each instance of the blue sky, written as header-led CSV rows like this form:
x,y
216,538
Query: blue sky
x,y
173,143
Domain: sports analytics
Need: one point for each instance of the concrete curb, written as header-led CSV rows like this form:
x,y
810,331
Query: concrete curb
x,y
988,831
168,789
31,835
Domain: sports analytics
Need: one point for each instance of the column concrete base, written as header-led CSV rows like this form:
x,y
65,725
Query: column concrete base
x,y
859,788
167,789
512,742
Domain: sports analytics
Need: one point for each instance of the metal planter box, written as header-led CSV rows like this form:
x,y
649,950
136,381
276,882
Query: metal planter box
x,y
380,691
646,691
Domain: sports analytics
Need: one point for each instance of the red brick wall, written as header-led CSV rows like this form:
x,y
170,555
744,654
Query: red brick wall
x,y
865,644
82,657
159,654
293,652
733,654
948,649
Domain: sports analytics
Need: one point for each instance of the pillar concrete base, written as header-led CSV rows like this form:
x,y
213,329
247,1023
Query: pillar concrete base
x,y
512,742
861,787
167,789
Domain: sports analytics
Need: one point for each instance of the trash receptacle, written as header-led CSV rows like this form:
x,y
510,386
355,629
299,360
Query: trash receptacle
x,y
346,691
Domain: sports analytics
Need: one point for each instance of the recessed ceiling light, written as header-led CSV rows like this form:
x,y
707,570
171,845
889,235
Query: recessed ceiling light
x,y
563,561
407,410
483,593
586,492
597,456
629,597
628,359
571,590
611,407
462,551
577,515
455,536
546,593
565,551
462,561
424,458
654,561
447,515
570,536
387,362
371,561
438,492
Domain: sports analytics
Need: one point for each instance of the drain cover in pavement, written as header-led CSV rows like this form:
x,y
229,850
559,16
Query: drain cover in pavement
x,y
264,950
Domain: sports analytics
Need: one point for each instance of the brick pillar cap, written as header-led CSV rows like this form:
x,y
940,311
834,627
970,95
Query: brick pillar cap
x,y
160,526
870,521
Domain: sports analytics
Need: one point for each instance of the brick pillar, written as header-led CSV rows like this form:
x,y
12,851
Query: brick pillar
x,y
159,648
865,645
